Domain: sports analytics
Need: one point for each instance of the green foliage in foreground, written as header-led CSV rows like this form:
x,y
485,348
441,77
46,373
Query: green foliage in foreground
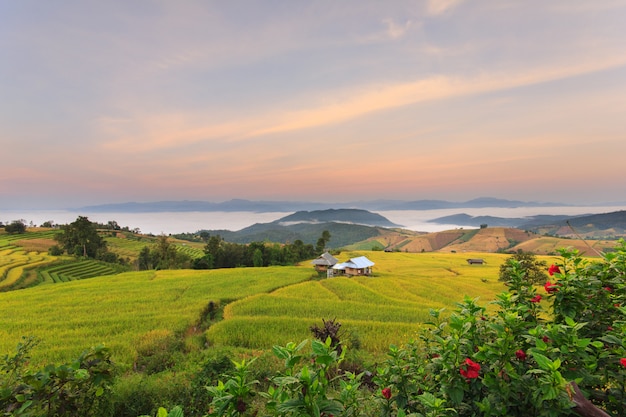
x,y
80,387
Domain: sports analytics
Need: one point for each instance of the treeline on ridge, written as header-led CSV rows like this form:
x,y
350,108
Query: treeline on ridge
x,y
221,254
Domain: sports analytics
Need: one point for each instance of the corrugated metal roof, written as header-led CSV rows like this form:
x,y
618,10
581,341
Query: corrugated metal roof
x,y
325,259
361,262
356,263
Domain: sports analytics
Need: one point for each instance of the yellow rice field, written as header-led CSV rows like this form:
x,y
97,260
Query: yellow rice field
x,y
263,306
387,307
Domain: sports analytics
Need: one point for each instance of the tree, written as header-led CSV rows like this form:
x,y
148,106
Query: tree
x,y
81,238
144,260
163,255
533,269
257,258
16,226
322,241
113,225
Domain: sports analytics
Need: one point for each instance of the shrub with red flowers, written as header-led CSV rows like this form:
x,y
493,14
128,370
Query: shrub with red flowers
x,y
550,358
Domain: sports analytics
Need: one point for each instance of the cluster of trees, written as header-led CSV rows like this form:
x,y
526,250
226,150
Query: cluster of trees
x,y
221,254
15,227
162,255
81,238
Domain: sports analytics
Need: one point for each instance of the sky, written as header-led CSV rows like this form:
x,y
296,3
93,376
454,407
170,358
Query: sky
x,y
148,100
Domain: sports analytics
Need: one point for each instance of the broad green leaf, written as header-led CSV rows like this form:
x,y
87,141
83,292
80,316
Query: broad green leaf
x,y
542,361
176,412
456,395
583,343
319,348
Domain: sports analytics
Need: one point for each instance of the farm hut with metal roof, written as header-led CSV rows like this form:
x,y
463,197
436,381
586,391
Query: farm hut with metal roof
x,y
355,266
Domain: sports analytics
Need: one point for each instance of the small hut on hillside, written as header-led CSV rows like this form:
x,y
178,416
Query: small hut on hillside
x,y
324,262
476,261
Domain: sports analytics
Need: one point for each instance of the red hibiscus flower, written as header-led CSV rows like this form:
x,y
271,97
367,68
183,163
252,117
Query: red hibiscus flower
x,y
470,369
608,289
623,362
553,270
550,287
535,299
386,393
521,355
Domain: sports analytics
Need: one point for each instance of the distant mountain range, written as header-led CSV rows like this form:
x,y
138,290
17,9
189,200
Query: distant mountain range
x,y
349,226
291,206
346,226
611,224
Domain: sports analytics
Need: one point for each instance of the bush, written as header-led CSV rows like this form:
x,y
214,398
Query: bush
x,y
534,270
157,351
137,395
55,250
81,387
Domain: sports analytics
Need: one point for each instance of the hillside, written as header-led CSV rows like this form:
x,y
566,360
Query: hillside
x,y
488,240
593,226
346,226
590,226
354,216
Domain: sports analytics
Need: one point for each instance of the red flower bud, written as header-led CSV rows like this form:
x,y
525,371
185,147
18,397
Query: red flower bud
x,y
553,270
386,393
623,362
470,369
550,287
521,355
535,299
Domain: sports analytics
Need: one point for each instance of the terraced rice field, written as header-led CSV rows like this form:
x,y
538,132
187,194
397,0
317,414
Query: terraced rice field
x,y
130,247
119,310
385,308
18,266
263,306
72,271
